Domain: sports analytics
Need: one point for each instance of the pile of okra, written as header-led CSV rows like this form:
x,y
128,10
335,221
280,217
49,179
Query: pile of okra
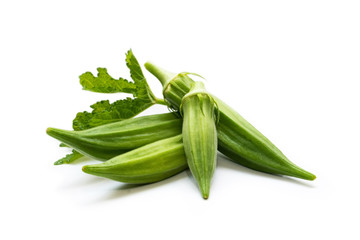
x,y
147,149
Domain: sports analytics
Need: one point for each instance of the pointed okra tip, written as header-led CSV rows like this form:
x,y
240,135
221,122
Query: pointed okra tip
x,y
55,132
205,191
48,130
51,131
86,169
94,169
312,177
304,175
301,173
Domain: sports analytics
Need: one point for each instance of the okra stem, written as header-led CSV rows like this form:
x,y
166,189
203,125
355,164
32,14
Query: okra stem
x,y
161,101
163,75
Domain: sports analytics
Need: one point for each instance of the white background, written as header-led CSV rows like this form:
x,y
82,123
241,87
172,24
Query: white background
x,y
291,68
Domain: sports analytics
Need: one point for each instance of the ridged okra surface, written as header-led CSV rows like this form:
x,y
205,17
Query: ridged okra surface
x,y
109,140
237,138
199,135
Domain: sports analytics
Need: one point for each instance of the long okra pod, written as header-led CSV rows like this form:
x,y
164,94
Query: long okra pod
x,y
237,138
110,140
150,163
199,135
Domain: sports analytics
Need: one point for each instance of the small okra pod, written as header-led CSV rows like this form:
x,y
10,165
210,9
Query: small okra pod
x,y
199,135
112,139
150,163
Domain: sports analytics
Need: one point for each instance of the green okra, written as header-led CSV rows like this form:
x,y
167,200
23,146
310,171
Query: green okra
x,y
110,140
199,135
237,138
150,163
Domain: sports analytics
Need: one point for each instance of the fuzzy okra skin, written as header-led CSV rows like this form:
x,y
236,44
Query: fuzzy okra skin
x,y
199,135
237,138
150,163
110,140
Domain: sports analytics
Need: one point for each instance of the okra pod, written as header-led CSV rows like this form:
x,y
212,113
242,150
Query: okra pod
x,y
150,163
112,139
237,138
199,135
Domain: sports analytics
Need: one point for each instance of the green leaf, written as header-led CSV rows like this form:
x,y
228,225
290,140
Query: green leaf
x,y
142,89
105,112
104,83
69,158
